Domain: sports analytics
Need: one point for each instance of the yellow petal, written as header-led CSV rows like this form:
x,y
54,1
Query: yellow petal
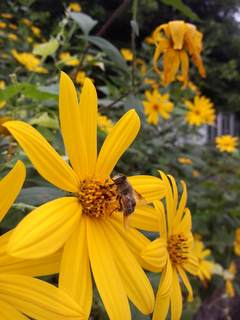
x,y
185,65
72,126
171,64
166,279
175,190
162,46
177,30
7,312
186,282
105,272
162,219
38,299
182,203
44,158
155,253
135,240
192,265
149,187
144,218
88,115
75,276
117,142
10,186
46,229
176,298
135,281
161,307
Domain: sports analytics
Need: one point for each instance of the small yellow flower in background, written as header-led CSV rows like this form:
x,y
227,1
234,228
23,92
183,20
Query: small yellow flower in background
x,y
156,105
104,123
184,160
142,66
2,86
74,6
127,54
205,269
13,26
226,143
190,85
176,40
7,15
201,111
26,21
30,62
29,39
88,225
237,242
196,173
229,276
172,253
12,36
68,60
152,82
20,293
81,76
3,25
36,31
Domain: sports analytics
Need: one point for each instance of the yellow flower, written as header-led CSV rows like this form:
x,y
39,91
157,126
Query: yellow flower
x,y
152,82
237,242
184,160
3,25
74,6
201,111
205,269
20,293
36,31
12,36
104,123
13,26
172,253
2,86
81,76
26,21
7,15
88,223
176,40
226,143
68,60
127,54
29,61
229,276
157,105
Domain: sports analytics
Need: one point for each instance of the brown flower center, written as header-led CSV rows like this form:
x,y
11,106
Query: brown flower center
x,y
178,248
98,199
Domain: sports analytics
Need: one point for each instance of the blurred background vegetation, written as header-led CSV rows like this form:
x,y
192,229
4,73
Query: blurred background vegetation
x,y
94,41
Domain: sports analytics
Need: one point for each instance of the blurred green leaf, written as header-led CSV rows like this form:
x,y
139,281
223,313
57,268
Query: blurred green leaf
x,y
179,5
85,22
47,48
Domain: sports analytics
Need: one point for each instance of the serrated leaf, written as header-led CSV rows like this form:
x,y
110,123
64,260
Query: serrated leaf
x,y
111,51
47,48
38,195
179,5
85,22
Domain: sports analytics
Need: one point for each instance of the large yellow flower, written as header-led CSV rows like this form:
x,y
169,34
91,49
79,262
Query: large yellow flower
x,y
201,111
86,223
172,253
176,40
29,61
19,293
156,105
226,143
205,269
237,242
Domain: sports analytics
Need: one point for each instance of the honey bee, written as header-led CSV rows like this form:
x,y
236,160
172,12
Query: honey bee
x,y
128,197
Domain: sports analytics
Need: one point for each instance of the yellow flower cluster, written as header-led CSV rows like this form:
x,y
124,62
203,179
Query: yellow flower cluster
x,y
201,111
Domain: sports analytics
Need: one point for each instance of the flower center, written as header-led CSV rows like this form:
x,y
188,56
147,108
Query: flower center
x,y
178,248
98,199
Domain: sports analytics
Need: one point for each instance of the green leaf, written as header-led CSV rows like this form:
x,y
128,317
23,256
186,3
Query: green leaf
x,y
38,195
179,5
11,91
111,51
47,48
85,22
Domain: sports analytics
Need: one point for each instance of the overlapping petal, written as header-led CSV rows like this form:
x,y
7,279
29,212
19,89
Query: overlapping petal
x,y
38,299
7,312
176,298
10,186
117,142
144,218
75,276
156,253
106,275
45,229
44,158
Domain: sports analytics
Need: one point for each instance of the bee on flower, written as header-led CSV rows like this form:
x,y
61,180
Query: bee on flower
x,y
176,41
201,111
157,104
226,143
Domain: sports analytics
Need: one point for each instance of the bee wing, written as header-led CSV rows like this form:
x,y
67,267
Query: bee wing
x,y
139,198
